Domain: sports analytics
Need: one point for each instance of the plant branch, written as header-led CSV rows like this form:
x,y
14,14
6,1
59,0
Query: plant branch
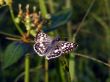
x,y
13,18
10,35
93,59
82,22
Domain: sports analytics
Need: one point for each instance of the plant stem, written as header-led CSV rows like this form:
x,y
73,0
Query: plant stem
x,y
62,73
51,6
93,59
43,7
84,18
13,18
27,63
46,70
107,9
61,69
9,35
69,29
13,39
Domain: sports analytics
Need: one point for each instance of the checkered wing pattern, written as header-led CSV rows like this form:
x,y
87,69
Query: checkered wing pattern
x,y
42,41
60,48
45,46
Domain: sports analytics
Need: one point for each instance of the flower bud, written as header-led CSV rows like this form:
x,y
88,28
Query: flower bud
x,y
17,20
33,32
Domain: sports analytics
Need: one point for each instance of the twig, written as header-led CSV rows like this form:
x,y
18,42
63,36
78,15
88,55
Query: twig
x,y
10,35
13,18
93,59
81,24
14,39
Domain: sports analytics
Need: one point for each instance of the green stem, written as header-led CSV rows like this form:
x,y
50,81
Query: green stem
x,y
61,69
46,70
84,18
69,29
43,7
9,35
107,9
13,39
51,5
27,63
93,59
13,18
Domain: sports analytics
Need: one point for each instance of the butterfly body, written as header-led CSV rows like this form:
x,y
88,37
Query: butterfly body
x,y
51,48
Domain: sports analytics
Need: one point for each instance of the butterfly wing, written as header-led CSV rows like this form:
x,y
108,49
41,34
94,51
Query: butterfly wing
x,y
54,52
67,46
40,48
42,41
43,37
60,48
45,46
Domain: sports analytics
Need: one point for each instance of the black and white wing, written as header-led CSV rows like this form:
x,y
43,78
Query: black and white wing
x,y
43,37
42,41
51,48
60,48
67,46
54,52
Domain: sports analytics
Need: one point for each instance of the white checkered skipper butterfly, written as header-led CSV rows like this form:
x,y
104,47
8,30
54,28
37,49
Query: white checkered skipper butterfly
x,y
51,48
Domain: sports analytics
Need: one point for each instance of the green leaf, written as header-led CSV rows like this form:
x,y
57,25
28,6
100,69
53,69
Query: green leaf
x,y
58,19
13,53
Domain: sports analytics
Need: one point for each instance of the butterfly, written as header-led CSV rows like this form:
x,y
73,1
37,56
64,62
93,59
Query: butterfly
x,y
51,48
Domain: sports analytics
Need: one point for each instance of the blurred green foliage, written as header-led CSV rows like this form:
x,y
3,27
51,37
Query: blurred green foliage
x,y
86,22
